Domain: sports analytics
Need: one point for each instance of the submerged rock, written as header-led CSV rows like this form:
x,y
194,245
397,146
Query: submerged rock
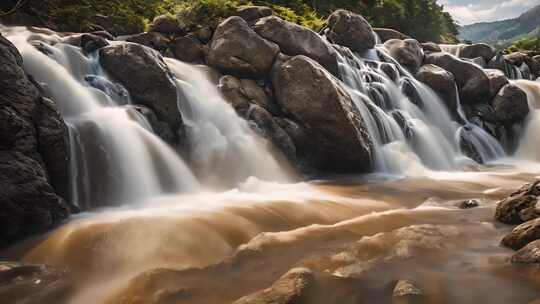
x,y
529,254
406,292
338,139
407,52
350,30
468,204
237,50
523,235
472,82
145,75
294,39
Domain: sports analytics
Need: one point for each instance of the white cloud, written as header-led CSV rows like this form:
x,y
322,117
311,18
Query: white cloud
x,y
466,12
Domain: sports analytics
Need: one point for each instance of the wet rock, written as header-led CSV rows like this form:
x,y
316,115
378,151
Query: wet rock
x,y
386,34
28,124
155,40
536,60
519,58
350,30
165,24
529,254
160,128
477,50
231,89
497,80
291,288
294,40
519,206
338,139
407,52
188,49
481,62
430,47
442,82
523,235
511,105
468,204
237,50
271,130
91,43
251,13
204,34
472,82
406,292
143,73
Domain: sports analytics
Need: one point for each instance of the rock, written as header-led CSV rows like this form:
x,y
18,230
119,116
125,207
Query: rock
x,y
468,204
233,92
350,30
537,62
291,288
518,207
160,128
103,34
481,62
188,49
386,34
28,124
145,75
256,95
442,82
497,80
338,139
165,24
523,235
155,40
519,58
271,130
406,292
477,50
430,47
237,50
511,105
91,43
472,82
294,40
204,34
529,254
296,133
251,13
407,52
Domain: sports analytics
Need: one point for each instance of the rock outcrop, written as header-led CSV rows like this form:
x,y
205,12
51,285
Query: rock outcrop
x,y
350,30
33,153
307,93
294,39
238,50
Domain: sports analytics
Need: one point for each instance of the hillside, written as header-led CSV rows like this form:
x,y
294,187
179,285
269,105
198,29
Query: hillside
x,y
504,31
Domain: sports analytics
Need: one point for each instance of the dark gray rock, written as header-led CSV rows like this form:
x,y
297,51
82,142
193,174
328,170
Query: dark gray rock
x,y
497,80
511,105
442,82
386,34
251,13
188,49
477,50
165,24
91,43
408,53
351,30
155,40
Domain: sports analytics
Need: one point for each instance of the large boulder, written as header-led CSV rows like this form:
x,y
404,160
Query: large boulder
x,y
155,40
477,50
511,105
497,80
188,49
237,50
472,82
350,30
33,153
145,75
529,254
311,96
523,235
386,34
442,82
407,52
294,39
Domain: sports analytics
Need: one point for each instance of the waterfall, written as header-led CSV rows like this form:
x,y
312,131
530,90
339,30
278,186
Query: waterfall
x,y
224,149
407,121
530,141
115,157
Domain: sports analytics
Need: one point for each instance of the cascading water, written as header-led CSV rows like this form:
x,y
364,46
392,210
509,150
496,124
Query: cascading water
x,y
412,129
530,141
115,156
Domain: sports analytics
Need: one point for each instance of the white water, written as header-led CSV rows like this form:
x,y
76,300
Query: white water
x,y
530,141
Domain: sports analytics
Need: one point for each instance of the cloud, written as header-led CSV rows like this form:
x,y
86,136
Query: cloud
x,y
466,11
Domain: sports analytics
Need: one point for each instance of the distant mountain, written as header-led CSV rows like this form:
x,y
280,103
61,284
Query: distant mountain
x,y
504,31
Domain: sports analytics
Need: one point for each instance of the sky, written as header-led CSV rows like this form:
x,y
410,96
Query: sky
x,y
468,11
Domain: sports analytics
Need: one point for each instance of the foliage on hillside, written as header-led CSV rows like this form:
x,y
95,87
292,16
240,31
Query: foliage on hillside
x,y
422,19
